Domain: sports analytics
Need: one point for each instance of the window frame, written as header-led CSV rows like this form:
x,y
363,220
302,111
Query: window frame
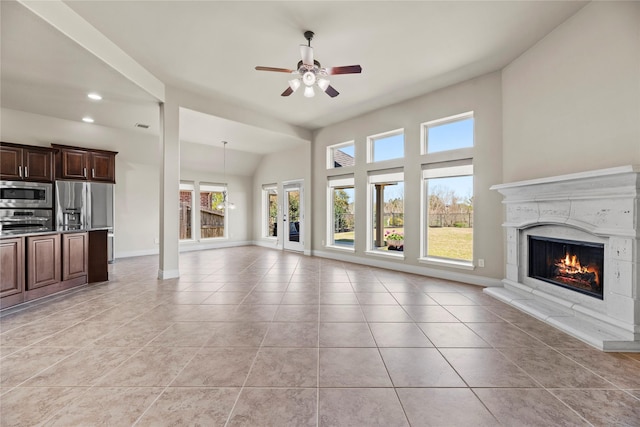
x,y
331,158
190,187
334,183
424,133
266,211
458,168
371,139
380,177
218,188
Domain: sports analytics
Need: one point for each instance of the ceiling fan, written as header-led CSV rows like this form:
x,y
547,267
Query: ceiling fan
x,y
310,73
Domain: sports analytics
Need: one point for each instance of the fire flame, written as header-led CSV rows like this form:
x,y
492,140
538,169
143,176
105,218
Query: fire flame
x,y
570,265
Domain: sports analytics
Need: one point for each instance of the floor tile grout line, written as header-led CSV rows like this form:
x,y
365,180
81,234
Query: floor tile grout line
x,y
253,362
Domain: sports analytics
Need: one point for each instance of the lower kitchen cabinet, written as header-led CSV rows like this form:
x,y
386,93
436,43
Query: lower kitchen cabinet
x,y
11,267
43,261
75,255
36,266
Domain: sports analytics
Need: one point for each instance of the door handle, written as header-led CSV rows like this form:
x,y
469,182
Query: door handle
x,y
20,171
84,172
26,171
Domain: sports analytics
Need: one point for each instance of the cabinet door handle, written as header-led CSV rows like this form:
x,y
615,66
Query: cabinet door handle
x,y
20,171
93,172
84,172
26,171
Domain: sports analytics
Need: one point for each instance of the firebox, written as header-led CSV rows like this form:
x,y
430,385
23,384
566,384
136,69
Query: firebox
x,y
575,265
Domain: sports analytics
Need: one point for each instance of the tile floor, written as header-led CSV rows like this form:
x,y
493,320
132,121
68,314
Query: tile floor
x,y
257,337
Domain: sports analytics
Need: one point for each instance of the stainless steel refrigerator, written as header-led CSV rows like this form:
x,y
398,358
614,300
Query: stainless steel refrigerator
x,y
86,206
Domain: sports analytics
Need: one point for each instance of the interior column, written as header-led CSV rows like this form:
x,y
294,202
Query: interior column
x,y
169,187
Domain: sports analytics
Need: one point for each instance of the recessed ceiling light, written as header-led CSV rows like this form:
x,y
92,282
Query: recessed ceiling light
x,y
94,96
87,120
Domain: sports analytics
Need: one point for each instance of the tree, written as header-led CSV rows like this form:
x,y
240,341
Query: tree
x,y
216,199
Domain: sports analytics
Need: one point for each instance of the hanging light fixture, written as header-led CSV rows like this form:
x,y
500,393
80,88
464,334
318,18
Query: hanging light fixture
x,y
225,204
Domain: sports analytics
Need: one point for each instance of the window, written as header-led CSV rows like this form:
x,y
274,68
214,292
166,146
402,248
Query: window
x,y
341,215
386,212
386,146
186,211
270,211
212,211
451,133
449,205
341,155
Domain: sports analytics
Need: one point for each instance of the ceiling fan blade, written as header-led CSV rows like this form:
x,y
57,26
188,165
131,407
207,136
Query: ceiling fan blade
x,y
347,69
331,91
279,70
306,52
287,92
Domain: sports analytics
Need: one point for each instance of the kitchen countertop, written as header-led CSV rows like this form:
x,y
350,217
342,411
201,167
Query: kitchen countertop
x,y
21,233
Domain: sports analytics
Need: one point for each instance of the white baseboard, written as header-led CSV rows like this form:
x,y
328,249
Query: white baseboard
x,y
413,269
199,246
131,254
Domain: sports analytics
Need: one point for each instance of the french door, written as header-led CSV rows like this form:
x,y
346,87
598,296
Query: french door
x,y
293,217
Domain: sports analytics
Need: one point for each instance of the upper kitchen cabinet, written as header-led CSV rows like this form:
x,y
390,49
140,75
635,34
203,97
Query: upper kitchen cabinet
x,y
25,163
77,163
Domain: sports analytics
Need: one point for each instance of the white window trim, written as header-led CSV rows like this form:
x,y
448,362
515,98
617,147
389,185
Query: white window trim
x,y
461,167
217,187
372,138
330,159
424,132
333,183
378,177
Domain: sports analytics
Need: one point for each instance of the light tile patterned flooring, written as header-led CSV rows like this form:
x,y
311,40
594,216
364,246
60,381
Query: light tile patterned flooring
x,y
256,337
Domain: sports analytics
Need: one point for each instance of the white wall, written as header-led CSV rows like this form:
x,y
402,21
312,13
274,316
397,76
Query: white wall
x,y
571,103
277,168
482,96
193,169
137,170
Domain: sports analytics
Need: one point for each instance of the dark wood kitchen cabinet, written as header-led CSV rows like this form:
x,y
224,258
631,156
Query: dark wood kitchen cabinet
x,y
43,261
75,255
25,163
11,266
77,163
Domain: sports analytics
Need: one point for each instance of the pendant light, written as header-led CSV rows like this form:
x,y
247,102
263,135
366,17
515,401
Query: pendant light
x,y
225,201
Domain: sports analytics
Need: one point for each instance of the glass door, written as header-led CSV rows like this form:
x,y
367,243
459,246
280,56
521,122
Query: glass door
x,y
293,217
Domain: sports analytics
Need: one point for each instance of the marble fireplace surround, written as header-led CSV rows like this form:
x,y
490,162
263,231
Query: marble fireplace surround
x,y
601,206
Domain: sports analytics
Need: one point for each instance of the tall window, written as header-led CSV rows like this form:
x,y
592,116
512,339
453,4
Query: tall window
x,y
386,231
342,219
212,211
186,210
341,155
449,196
451,133
386,146
270,210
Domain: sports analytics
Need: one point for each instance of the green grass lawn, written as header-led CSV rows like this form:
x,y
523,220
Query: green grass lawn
x,y
450,242
446,242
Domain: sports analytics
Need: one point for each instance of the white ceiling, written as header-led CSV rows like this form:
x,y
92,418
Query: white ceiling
x,y
211,48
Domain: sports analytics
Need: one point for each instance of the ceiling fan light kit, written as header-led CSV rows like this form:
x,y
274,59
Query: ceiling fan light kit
x,y
310,73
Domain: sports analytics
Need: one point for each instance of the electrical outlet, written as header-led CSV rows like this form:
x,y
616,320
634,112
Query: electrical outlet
x,y
480,263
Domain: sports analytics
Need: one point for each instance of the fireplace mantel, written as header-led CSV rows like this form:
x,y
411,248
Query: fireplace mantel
x,y
601,206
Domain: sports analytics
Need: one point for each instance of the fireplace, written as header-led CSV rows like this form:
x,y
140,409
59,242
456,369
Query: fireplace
x,y
572,264
573,254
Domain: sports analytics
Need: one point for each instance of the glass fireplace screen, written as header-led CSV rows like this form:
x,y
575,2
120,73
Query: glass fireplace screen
x,y
568,263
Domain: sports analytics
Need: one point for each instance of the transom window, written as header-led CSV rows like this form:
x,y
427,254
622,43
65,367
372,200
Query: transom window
x,y
386,146
451,133
341,155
